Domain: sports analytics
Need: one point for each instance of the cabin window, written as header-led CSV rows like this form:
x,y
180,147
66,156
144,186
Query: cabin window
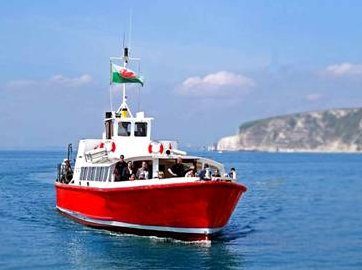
x,y
100,174
105,174
86,172
82,171
94,174
165,164
124,129
93,169
98,170
140,129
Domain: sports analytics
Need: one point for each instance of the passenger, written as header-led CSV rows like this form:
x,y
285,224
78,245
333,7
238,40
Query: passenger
x,y
205,173
128,171
118,169
132,177
232,173
177,169
190,172
143,173
66,171
216,173
159,174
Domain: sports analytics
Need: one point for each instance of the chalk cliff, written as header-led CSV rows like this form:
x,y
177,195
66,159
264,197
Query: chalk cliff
x,y
336,130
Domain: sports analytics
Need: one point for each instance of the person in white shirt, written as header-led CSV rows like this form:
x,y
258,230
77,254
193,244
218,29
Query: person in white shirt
x,y
205,173
232,173
143,173
190,172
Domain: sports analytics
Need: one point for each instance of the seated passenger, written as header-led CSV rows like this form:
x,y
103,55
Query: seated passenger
x,y
140,132
216,173
132,177
177,169
159,174
128,171
205,173
143,173
190,172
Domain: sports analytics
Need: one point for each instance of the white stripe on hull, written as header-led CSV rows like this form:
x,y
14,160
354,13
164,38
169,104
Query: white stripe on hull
x,y
119,224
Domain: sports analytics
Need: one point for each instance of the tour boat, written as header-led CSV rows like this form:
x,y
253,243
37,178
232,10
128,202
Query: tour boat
x,y
188,208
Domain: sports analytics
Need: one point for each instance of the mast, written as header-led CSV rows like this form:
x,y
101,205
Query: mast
x,y
124,97
124,106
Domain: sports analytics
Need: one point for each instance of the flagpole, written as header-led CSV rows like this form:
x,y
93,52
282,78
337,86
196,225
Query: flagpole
x,y
139,89
110,85
130,28
126,56
110,96
125,60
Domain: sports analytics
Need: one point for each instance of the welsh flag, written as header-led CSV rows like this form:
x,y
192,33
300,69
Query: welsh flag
x,y
124,75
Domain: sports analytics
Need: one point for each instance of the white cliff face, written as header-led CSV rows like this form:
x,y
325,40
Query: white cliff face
x,y
230,143
327,131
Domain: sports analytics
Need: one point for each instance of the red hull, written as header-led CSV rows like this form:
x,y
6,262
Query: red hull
x,y
195,210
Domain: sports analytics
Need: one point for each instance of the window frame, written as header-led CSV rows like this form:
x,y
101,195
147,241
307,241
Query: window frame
x,y
128,129
145,126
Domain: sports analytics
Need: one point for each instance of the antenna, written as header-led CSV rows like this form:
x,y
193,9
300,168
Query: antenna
x,y
139,89
125,58
110,84
124,40
130,28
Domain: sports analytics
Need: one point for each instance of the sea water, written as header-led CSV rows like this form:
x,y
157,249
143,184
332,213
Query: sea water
x,y
301,211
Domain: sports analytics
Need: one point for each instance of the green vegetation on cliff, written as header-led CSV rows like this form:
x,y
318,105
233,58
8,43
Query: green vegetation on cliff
x,y
336,130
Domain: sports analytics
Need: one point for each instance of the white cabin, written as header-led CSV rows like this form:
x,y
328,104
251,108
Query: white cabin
x,y
131,137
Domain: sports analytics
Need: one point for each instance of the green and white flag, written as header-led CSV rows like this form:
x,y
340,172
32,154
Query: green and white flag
x,y
124,75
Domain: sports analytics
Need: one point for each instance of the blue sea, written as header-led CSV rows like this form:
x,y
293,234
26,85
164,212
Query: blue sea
x,y
301,211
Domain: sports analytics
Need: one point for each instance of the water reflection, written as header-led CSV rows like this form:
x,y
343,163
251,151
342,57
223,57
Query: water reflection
x,y
101,249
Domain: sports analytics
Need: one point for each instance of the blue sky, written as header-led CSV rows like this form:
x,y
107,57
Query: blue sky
x,y
208,65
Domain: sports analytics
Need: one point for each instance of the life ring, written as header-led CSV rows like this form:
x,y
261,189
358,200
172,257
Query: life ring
x,y
100,145
155,147
110,146
113,147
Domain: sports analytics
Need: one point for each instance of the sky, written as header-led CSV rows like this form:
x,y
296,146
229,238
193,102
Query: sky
x,y
209,66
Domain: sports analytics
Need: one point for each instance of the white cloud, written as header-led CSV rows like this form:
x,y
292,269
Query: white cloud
x,y
73,82
222,83
344,69
313,97
56,80
20,84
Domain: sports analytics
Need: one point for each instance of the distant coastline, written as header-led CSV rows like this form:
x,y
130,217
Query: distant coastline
x,y
329,131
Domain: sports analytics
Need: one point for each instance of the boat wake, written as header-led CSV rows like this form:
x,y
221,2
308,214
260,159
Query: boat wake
x,y
204,243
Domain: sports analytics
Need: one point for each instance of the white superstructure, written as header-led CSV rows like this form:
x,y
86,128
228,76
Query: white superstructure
x,y
128,135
